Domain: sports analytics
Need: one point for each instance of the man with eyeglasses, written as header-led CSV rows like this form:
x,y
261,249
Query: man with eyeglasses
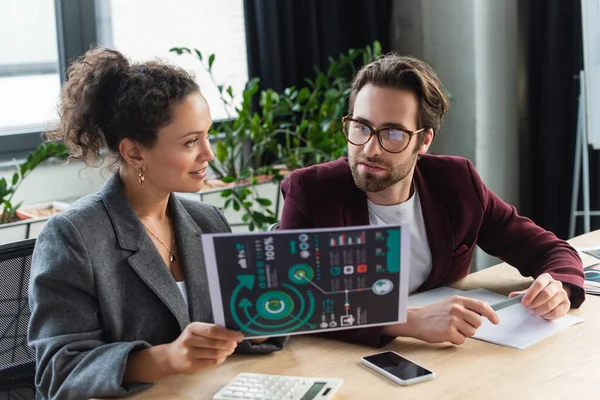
x,y
396,107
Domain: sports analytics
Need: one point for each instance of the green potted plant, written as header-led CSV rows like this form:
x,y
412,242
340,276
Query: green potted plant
x,y
310,117
10,211
295,128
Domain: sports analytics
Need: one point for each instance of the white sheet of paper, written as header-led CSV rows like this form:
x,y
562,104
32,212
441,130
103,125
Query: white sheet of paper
x,y
485,295
518,329
432,296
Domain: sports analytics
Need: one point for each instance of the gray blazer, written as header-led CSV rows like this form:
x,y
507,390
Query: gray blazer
x,y
99,290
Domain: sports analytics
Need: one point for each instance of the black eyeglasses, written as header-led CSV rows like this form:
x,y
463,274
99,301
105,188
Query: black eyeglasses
x,y
393,140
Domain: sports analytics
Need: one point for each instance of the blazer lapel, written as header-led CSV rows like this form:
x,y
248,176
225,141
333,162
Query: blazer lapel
x,y
439,230
145,260
356,211
192,259
150,267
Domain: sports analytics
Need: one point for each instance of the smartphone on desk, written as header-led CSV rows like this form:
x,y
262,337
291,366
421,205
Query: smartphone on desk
x,y
397,368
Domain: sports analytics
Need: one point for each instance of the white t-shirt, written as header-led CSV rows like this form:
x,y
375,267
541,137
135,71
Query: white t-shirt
x,y
181,286
408,212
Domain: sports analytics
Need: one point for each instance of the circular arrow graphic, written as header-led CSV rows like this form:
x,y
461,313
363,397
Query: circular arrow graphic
x,y
274,305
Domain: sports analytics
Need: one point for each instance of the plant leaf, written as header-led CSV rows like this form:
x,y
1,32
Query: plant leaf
x,y
180,50
222,152
376,48
264,202
228,179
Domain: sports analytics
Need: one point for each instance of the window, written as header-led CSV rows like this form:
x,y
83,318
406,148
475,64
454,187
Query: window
x,y
146,29
29,80
40,36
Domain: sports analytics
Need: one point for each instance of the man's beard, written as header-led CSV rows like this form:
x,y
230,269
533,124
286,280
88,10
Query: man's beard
x,y
376,183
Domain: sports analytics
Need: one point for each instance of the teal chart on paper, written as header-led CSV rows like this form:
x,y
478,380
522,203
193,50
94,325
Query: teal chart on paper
x,y
302,281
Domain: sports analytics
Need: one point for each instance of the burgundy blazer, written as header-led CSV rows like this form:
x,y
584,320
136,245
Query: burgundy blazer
x,y
459,212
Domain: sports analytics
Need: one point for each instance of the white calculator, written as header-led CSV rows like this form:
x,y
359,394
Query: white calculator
x,y
276,387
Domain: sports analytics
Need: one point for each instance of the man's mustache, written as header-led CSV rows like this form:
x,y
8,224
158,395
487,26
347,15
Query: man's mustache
x,y
373,160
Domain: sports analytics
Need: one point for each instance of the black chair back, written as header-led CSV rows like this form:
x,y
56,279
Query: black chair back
x,y
17,359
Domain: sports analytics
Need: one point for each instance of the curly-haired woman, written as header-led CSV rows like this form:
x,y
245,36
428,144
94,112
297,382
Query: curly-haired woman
x,y
118,293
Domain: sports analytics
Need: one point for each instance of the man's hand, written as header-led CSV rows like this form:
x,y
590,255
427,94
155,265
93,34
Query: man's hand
x,y
452,320
546,297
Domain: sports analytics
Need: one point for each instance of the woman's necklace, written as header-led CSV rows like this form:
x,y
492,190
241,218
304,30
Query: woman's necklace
x,y
171,252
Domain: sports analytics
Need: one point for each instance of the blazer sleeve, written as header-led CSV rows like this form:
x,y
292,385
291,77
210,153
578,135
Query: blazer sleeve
x,y
296,215
520,242
65,330
246,347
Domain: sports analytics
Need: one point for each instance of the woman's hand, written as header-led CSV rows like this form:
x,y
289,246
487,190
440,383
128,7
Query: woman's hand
x,y
201,346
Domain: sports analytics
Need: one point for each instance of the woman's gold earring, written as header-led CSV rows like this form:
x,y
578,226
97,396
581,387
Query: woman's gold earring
x,y
141,176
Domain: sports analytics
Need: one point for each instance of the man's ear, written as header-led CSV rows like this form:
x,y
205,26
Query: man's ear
x,y
427,142
131,153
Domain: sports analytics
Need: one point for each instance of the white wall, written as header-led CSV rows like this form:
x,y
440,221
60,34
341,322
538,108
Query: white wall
x,y
496,64
52,181
473,46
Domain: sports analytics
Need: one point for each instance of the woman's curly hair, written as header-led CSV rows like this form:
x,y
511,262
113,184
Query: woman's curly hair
x,y
107,99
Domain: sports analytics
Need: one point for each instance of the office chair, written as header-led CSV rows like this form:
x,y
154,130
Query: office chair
x,y
17,359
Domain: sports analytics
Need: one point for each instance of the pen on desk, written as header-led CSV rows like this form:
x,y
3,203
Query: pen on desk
x,y
507,303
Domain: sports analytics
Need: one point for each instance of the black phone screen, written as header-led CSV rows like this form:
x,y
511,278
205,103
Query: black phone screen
x,y
397,365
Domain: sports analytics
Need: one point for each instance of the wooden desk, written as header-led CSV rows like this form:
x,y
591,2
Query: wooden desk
x,y
564,366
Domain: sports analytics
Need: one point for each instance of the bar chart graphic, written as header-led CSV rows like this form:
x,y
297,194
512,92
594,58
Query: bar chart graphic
x,y
344,239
